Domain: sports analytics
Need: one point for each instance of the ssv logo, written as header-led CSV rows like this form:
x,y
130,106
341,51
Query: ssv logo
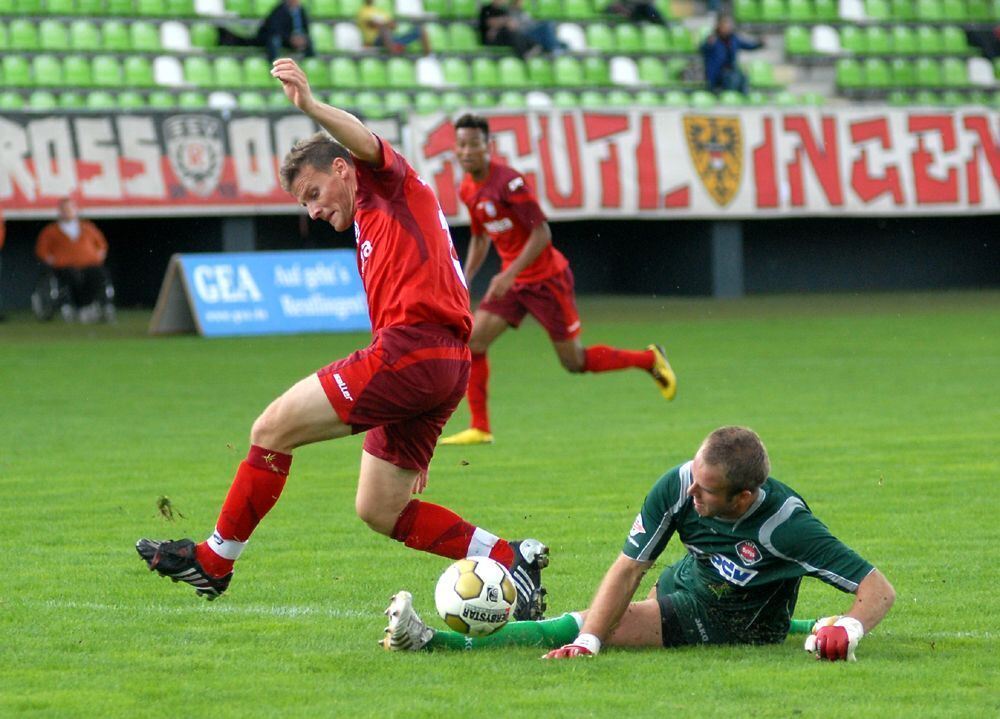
x,y
731,571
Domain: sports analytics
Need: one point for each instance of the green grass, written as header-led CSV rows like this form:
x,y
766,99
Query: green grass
x,y
881,410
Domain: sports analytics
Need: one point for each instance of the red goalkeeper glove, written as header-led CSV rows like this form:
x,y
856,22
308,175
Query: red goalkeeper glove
x,y
835,638
585,645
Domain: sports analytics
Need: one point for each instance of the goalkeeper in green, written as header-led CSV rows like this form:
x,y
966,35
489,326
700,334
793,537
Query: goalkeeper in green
x,y
750,540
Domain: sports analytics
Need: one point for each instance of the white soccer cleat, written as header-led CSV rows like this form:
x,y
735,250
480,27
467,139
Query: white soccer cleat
x,y
406,630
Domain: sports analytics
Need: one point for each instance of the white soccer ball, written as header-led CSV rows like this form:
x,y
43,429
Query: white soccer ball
x,y
475,596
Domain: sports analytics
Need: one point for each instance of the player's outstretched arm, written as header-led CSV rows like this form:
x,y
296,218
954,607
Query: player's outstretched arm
x,y
479,247
609,605
344,127
836,638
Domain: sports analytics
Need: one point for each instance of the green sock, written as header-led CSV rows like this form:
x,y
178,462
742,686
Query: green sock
x,y
801,626
545,633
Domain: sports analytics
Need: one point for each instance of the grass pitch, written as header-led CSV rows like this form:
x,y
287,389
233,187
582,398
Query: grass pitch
x,y
881,410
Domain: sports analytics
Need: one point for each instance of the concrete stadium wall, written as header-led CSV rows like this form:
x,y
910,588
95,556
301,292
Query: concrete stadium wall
x,y
622,257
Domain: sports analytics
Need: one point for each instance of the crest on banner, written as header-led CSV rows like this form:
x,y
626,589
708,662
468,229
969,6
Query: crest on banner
x,y
716,147
194,146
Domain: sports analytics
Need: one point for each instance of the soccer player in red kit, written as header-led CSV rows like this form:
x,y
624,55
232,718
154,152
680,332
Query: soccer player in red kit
x,y
401,389
535,279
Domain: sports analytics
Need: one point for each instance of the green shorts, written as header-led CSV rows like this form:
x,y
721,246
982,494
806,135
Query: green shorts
x,y
688,619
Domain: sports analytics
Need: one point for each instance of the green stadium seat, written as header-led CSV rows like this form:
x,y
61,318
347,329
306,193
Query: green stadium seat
x,y
426,102
760,73
900,10
198,72
812,99
251,99
578,10
150,8
180,8
903,40
42,100
191,100
462,38
899,98
372,72
848,74
22,35
852,40
205,35
340,98
396,102
996,68
619,98
77,71
627,38
484,72
826,10
681,39
540,71
648,98
344,73
11,100
772,11
402,73
731,98
452,101
701,99
979,97
596,71
456,72
349,8
464,9
902,72
600,37
101,100
954,10
655,38
29,7
929,10
257,72
116,37
138,72
953,98
568,100
131,100
52,35
107,71
512,72
46,71
954,72
243,8
60,7
928,40
548,10
90,7
436,8
4,37
483,98
119,8
927,72
798,40
72,101
878,10
321,35
674,98
323,9
437,37
744,11
954,41
317,70
799,11
927,97
369,104
512,99
979,11
145,37
877,40
784,99
567,71
876,73
653,71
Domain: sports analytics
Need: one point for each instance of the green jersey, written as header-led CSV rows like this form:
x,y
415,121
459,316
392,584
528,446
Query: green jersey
x,y
757,560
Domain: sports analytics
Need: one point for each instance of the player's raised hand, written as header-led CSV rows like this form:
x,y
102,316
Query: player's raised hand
x,y
569,652
835,638
498,286
294,82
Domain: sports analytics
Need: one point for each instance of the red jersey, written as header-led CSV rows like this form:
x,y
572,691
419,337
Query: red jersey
x,y
503,207
406,259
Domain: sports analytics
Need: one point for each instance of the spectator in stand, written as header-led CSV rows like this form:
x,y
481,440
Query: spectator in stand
x,y
286,26
722,72
501,23
378,29
636,11
75,250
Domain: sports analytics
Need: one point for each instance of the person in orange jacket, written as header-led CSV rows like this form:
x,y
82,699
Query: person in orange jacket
x,y
75,251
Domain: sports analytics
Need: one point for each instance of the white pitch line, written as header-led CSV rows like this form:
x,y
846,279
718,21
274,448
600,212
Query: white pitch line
x,y
247,609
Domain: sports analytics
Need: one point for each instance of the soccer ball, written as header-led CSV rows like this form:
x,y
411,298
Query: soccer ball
x,y
475,596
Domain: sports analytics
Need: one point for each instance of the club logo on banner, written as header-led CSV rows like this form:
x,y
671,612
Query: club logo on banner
x,y
716,147
194,146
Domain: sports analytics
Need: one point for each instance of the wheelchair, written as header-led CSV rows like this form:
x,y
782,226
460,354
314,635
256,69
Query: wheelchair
x,y
52,295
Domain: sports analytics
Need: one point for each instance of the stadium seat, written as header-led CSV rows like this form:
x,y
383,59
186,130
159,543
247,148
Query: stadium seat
x,y
760,73
29,7
42,100
578,10
877,10
623,71
222,100
462,38
567,71
512,73
344,73
813,99
320,33
60,7
980,71
396,102
251,100
675,98
11,100
429,72
901,10
898,98
372,72
568,100
139,72
701,99
852,40
119,8
149,8
483,98
902,72
107,71
464,9
191,100
52,35
4,37
731,98
627,38
426,102
929,10
337,98
22,35
681,39
647,98
772,11
596,71
174,36
46,71
652,71
179,8
540,71
953,41
548,10
145,37
228,72
167,71
877,40
538,100
347,37
745,11
825,40
453,101
979,11
115,34
903,40
369,104
928,40
799,11
211,8
437,37
206,36
826,10
456,72
655,38
798,40
876,73
848,74
77,71
130,100
484,72
600,38
953,73
927,72
512,99
322,9
198,71
101,100
927,97
619,98
400,73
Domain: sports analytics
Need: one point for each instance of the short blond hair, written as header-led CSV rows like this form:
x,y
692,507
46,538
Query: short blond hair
x,y
741,454
317,152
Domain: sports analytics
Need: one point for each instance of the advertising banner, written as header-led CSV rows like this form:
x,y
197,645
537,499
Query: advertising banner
x,y
254,293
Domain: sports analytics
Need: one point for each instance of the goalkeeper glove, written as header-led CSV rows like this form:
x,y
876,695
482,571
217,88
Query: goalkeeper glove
x,y
585,645
835,638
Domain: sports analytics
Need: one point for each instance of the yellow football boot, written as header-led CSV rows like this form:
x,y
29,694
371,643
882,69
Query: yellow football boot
x,y
471,436
662,373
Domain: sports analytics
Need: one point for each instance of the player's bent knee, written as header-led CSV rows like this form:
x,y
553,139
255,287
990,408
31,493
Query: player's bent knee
x,y
267,430
377,518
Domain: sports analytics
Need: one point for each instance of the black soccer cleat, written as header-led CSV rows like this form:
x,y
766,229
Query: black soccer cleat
x,y
176,559
530,558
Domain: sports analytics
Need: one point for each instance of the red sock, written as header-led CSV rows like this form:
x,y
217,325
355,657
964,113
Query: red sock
x,y
256,487
479,377
435,529
601,358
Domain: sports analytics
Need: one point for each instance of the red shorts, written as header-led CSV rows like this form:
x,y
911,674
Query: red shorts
x,y
550,301
403,387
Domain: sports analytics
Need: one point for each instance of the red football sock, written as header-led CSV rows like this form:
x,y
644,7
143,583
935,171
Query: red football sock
x,y
436,529
601,358
256,487
479,377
